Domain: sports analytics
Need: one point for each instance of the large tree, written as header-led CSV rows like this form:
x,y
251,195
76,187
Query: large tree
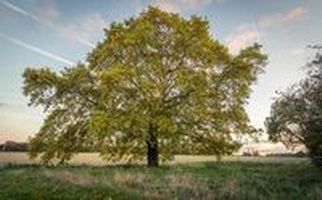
x,y
296,114
156,84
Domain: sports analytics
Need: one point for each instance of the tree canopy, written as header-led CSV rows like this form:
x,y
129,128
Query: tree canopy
x,y
296,114
156,83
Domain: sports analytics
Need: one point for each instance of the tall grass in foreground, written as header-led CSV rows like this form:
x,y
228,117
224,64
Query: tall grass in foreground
x,y
206,180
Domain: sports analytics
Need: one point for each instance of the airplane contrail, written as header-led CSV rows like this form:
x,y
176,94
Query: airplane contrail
x,y
14,8
36,49
59,29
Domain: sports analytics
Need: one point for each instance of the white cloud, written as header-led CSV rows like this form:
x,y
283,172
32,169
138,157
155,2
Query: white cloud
x,y
282,18
85,27
294,14
247,34
168,6
37,50
176,6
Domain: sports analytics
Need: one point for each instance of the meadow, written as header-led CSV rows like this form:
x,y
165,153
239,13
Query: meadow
x,y
187,177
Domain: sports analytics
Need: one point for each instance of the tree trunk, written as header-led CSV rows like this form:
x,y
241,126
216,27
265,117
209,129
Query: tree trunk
x,y
153,149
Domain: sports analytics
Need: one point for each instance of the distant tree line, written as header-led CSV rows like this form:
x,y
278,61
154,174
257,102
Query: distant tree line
x,y
14,146
23,147
297,154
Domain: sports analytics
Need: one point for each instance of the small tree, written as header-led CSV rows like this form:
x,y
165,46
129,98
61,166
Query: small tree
x,y
296,115
158,83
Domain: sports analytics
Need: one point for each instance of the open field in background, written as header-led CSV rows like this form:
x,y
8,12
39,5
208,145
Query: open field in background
x,y
94,159
197,180
188,177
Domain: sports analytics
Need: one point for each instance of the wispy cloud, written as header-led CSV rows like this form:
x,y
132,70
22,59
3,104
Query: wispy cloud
x,y
37,50
281,18
176,6
45,17
85,27
294,14
247,34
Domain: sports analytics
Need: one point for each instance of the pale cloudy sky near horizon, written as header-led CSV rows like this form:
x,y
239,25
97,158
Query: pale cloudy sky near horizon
x,y
58,33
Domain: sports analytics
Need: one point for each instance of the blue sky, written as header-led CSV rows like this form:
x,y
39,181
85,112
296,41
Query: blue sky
x,y
38,33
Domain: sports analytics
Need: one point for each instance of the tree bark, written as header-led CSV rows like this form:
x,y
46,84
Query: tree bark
x,y
153,149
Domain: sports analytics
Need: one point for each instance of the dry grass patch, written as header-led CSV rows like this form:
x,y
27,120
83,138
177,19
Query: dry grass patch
x,y
180,181
130,180
188,187
84,180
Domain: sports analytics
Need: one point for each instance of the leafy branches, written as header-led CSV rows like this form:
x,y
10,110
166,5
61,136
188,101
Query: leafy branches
x,y
157,84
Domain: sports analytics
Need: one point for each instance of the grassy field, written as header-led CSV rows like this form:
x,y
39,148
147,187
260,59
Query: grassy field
x,y
20,158
190,178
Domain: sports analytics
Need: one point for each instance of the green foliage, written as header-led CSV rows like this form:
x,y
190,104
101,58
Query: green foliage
x,y
67,98
296,115
157,79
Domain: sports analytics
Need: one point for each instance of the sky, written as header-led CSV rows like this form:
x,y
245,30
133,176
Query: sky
x,y
59,33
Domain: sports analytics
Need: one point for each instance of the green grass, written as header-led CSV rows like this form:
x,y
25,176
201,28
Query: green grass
x,y
207,180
